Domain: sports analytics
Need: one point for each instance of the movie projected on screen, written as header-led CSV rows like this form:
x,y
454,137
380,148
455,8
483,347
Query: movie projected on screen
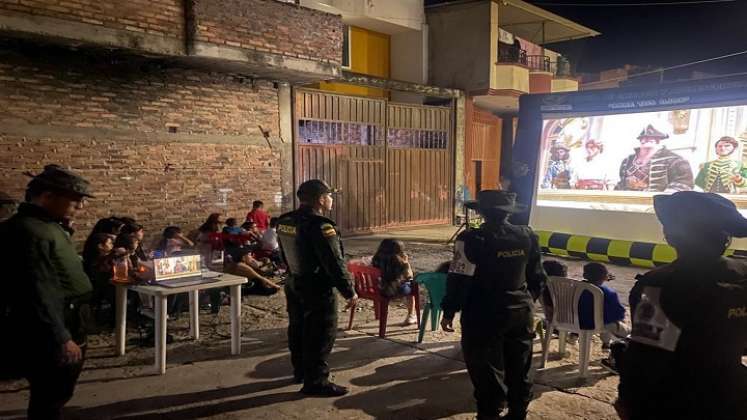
x,y
617,162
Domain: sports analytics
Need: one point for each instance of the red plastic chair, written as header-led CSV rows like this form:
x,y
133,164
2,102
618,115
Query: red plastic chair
x,y
366,280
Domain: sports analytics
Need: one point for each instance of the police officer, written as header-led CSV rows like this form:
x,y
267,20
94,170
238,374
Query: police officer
x,y
312,249
494,279
684,359
45,291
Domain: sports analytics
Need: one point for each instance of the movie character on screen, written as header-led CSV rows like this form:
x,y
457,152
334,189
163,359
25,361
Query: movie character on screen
x,y
559,172
592,172
724,174
653,167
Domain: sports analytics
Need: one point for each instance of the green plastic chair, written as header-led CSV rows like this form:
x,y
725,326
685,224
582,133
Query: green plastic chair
x,y
435,284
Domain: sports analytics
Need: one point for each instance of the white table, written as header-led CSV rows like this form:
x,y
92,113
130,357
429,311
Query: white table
x,y
160,294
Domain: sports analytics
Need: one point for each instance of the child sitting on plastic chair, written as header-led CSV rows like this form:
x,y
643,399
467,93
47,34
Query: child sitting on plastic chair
x,y
396,274
614,311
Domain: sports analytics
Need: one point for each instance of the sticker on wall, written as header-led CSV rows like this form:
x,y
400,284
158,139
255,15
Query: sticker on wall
x,y
223,197
278,199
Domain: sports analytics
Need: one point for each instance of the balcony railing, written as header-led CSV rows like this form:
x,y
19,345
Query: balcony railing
x,y
538,63
512,55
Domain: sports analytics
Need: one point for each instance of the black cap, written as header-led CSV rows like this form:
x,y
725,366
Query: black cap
x,y
61,179
697,210
496,199
313,189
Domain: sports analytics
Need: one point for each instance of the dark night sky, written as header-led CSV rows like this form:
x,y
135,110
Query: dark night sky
x,y
654,35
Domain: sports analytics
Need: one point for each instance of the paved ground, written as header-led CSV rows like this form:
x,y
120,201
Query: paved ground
x,y
390,378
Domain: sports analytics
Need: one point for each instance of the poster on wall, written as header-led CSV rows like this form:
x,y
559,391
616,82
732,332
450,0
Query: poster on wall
x,y
618,161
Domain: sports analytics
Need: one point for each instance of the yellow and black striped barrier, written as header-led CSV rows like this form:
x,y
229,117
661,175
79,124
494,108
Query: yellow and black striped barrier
x,y
641,254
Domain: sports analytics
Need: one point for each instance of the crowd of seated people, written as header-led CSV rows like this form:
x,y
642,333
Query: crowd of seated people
x,y
248,250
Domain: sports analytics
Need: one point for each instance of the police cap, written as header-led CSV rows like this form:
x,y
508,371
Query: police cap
x,y
312,189
689,210
60,179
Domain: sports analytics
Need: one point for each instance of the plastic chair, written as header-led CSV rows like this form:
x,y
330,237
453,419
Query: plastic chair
x,y
367,285
566,294
435,284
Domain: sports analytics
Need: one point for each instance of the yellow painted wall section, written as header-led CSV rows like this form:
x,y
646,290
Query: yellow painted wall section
x,y
369,55
564,85
510,76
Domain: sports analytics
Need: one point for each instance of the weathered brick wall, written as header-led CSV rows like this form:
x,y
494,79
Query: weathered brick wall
x,y
110,123
270,26
160,17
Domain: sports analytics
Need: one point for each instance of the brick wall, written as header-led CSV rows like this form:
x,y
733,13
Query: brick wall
x,y
270,26
110,123
160,17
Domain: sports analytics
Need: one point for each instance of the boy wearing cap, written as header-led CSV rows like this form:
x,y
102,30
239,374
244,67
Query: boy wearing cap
x,y
494,279
312,250
49,288
684,360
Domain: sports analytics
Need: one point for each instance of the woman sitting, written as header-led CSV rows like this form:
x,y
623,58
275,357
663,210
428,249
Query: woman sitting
x,y
396,274
97,265
173,241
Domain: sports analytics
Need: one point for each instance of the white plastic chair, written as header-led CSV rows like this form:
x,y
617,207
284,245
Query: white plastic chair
x,y
566,294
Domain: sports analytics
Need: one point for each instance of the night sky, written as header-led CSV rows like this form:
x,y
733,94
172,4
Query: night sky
x,y
654,35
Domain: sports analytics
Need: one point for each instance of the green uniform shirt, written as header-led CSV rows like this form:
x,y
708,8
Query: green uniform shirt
x,y
312,249
47,274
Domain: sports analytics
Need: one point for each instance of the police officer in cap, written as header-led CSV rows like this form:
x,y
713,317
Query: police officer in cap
x,y
494,279
684,359
312,249
46,292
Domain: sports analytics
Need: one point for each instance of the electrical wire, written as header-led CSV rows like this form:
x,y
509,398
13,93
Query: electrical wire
x,y
663,69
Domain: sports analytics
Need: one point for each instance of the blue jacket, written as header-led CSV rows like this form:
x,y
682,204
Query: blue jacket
x,y
613,309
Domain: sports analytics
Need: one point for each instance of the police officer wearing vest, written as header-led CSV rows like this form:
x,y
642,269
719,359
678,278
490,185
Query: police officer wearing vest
x,y
45,292
494,279
312,249
684,358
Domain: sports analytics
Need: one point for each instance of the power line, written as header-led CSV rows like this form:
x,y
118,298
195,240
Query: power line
x,y
670,3
663,69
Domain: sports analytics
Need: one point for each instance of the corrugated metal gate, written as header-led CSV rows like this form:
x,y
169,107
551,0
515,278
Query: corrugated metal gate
x,y
392,161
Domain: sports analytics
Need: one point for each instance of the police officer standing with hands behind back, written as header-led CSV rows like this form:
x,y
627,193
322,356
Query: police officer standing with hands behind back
x,y
494,279
312,249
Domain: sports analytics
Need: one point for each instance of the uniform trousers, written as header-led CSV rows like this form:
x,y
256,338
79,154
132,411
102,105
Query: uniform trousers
x,y
51,385
312,329
498,356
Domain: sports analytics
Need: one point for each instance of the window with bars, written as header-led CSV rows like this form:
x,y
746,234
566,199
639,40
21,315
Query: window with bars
x,y
416,139
331,132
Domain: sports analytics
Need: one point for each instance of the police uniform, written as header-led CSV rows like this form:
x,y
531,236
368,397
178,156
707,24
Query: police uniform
x,y
46,297
684,359
494,279
312,249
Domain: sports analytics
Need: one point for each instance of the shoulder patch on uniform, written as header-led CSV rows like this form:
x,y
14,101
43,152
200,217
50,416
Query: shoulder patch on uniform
x,y
328,230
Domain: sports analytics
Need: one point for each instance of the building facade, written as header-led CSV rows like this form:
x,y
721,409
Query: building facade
x,y
172,109
496,51
380,133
